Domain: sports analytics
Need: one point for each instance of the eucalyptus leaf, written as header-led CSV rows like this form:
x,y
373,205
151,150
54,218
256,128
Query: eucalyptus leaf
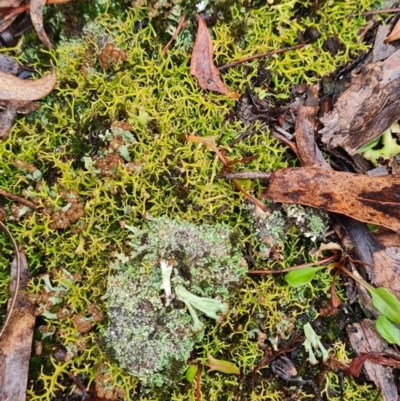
x,y
297,278
387,330
385,303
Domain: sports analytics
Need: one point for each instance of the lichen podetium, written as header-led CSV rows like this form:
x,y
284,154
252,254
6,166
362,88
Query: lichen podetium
x,y
110,147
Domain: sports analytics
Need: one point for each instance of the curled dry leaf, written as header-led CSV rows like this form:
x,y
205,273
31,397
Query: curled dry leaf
x,y
6,120
36,10
374,200
202,65
395,34
20,90
8,18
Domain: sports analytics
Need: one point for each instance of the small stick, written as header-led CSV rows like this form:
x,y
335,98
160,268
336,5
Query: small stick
x,y
289,269
256,56
17,198
17,260
286,142
383,11
177,30
246,175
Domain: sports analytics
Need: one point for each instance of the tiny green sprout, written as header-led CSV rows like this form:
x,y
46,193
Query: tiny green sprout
x,y
385,303
389,149
221,366
297,278
382,299
387,330
209,306
191,372
313,342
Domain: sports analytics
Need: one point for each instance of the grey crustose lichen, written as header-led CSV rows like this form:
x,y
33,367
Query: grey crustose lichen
x,y
174,276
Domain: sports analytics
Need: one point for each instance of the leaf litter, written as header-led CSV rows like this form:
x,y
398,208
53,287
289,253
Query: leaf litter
x,y
365,109
202,64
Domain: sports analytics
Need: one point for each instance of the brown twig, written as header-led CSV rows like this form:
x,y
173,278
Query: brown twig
x,y
17,260
198,382
256,56
297,267
209,142
17,198
246,175
177,30
286,142
383,11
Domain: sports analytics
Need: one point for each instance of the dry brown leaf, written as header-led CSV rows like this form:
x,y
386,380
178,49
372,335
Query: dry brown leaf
x,y
23,90
365,340
374,200
16,339
395,34
202,65
8,19
36,10
6,120
366,108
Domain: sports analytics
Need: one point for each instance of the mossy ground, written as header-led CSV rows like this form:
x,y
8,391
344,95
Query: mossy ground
x,y
162,104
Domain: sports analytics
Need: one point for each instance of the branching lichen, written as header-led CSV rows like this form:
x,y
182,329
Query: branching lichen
x,y
182,259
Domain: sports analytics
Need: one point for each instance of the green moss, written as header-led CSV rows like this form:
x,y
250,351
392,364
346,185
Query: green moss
x,y
159,103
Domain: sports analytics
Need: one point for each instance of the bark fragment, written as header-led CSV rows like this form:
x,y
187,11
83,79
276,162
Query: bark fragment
x,y
366,108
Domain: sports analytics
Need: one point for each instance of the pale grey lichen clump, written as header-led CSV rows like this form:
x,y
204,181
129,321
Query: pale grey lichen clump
x,y
175,277
271,227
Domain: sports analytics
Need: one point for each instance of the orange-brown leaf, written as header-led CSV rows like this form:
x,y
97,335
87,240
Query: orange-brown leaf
x,y
24,90
202,65
36,10
395,34
374,200
8,17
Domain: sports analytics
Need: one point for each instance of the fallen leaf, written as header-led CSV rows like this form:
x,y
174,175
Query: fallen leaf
x,y
221,366
306,123
379,358
36,10
16,337
395,34
6,120
374,200
366,341
8,19
9,10
16,89
367,108
202,65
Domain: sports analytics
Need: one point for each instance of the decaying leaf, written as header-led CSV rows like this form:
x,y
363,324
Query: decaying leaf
x,y
16,89
366,108
6,120
36,10
17,95
8,19
374,200
221,366
202,65
306,123
365,340
395,34
16,337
